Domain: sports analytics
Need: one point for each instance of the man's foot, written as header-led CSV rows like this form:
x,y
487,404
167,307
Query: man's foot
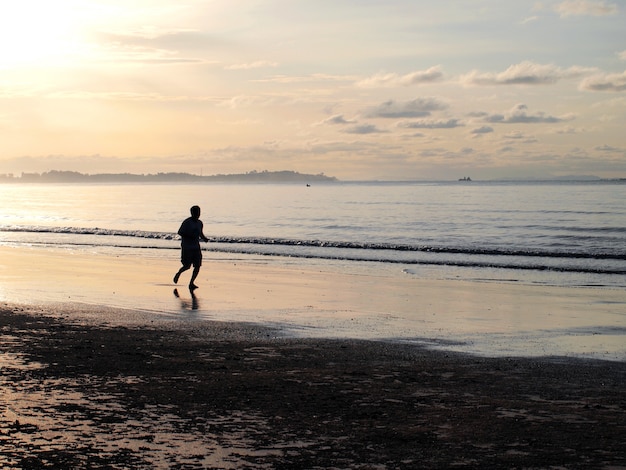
x,y
192,286
176,277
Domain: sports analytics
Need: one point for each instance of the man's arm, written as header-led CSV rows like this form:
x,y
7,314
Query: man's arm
x,y
183,230
202,235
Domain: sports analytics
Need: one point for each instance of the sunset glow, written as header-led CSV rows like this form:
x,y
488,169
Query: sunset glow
x,y
358,90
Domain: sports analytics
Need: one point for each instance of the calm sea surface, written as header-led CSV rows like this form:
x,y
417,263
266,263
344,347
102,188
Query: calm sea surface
x,y
564,234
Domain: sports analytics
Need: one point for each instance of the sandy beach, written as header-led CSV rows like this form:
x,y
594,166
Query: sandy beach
x,y
327,301
268,366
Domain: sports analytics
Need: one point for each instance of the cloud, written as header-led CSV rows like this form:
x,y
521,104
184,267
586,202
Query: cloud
x,y
622,55
364,129
617,102
247,101
316,77
337,119
477,114
517,138
126,96
155,46
518,115
611,82
608,148
430,75
351,147
482,130
431,124
17,91
525,73
530,19
567,130
585,8
420,107
252,65
175,40
514,135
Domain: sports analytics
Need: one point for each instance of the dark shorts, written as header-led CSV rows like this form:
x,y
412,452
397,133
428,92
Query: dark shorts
x,y
191,257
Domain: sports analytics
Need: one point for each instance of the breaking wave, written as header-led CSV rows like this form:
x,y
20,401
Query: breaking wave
x,y
558,260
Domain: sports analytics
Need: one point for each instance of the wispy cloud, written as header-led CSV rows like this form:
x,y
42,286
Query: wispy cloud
x,y
530,19
337,119
615,82
127,96
482,130
519,115
526,73
433,74
420,107
567,130
257,64
431,124
315,77
364,129
585,8
149,46
609,148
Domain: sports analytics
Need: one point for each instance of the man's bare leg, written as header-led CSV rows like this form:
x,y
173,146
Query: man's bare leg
x,y
194,275
180,271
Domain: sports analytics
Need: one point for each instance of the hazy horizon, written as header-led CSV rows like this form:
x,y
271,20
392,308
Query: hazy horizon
x,y
278,176
372,90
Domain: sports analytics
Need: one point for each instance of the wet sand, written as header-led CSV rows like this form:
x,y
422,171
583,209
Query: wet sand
x,y
103,367
78,393
326,301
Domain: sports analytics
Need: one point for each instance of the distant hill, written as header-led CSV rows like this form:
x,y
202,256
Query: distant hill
x,y
250,177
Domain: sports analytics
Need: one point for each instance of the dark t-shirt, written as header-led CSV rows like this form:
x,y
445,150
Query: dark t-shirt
x,y
190,232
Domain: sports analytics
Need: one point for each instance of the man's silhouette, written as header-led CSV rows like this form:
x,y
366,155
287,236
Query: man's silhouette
x,y
191,233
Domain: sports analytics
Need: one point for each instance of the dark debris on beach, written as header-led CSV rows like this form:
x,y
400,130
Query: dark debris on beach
x,y
87,396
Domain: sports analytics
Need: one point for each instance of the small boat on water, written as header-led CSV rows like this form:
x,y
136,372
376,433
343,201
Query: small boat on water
x,y
466,178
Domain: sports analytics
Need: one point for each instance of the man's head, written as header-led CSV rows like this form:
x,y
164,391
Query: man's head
x,y
195,212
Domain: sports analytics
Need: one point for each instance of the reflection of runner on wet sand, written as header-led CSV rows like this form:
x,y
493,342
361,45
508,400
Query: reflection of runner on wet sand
x,y
186,304
191,232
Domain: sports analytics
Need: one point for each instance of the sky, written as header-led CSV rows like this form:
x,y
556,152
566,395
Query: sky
x,y
356,89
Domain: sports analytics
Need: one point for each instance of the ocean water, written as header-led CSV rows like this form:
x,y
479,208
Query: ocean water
x,y
547,233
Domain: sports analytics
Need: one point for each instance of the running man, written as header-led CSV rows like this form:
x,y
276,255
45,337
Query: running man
x,y
191,233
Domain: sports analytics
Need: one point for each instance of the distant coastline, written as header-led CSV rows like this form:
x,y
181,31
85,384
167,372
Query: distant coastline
x,y
55,176
284,176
